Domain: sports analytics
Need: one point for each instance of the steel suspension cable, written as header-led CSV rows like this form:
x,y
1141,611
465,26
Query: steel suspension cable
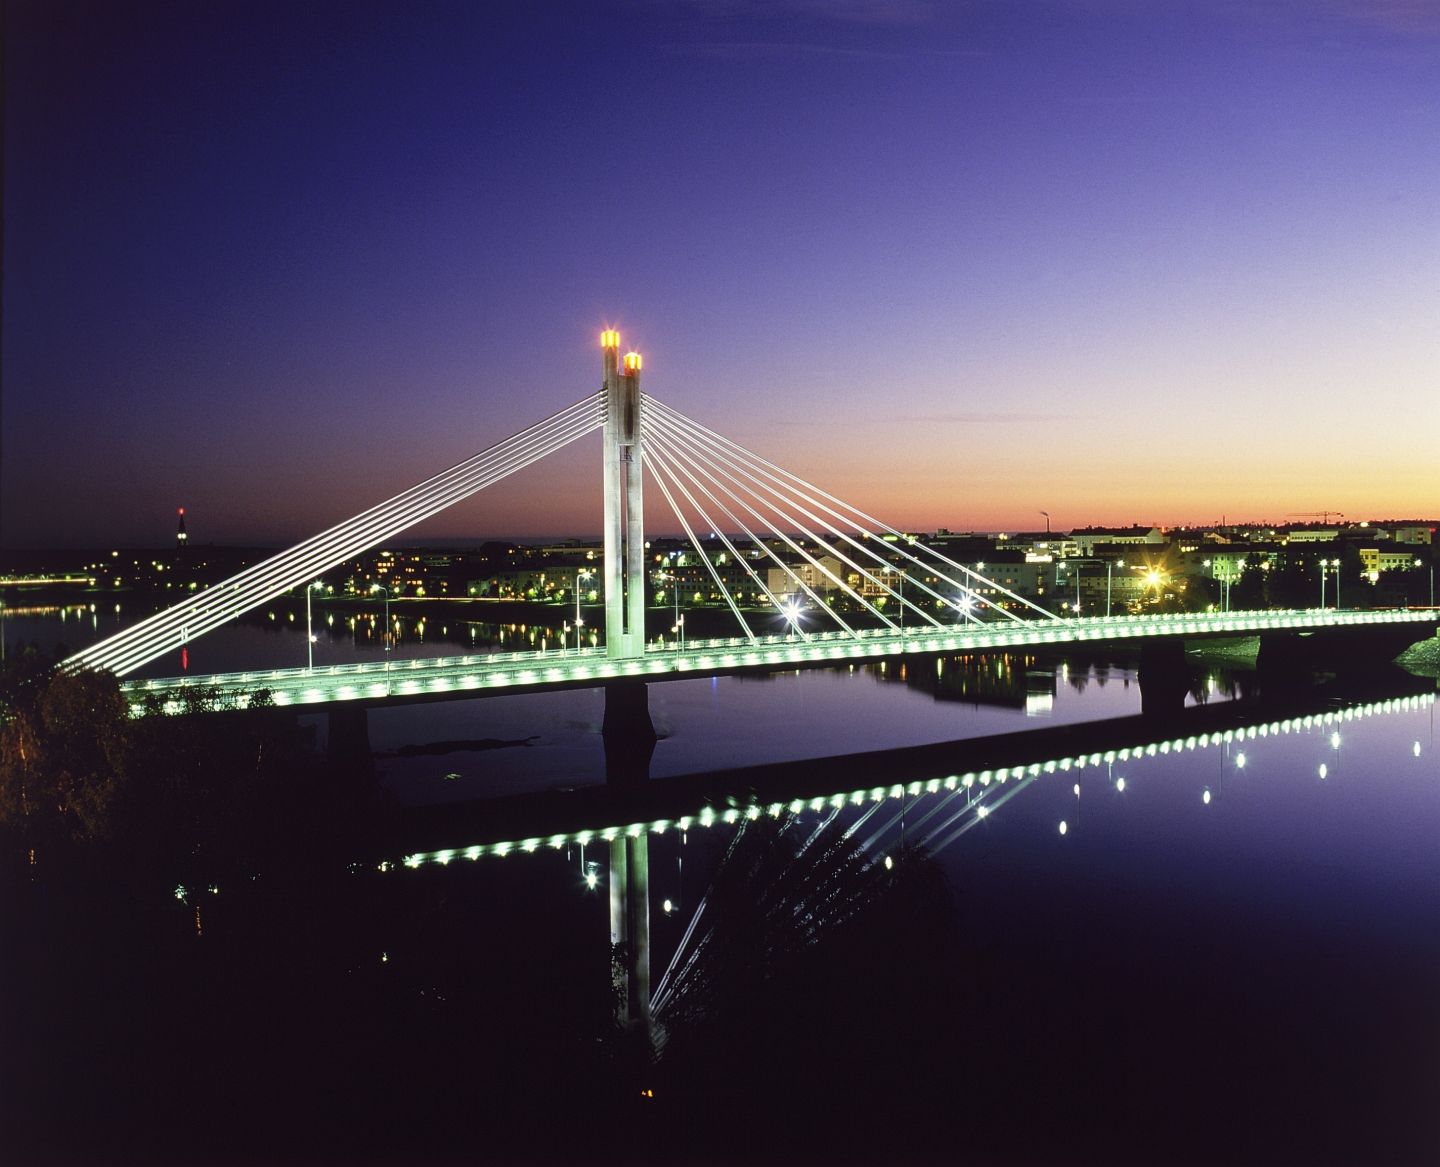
x,y
659,449
704,558
715,437
688,468
755,539
829,547
284,571
758,465
829,611
148,639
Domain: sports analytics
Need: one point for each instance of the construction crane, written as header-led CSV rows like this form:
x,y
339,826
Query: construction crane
x,y
1323,516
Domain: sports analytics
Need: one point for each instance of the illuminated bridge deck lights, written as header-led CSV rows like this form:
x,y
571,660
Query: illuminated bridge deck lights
x,y
436,678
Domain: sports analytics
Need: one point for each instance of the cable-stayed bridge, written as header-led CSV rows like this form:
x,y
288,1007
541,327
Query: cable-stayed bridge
x,y
849,586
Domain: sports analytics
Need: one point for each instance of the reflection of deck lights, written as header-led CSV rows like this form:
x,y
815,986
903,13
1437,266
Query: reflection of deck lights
x,y
707,815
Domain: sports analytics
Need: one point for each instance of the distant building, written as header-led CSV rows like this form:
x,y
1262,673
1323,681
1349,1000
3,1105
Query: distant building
x,y
1090,541
821,576
1374,560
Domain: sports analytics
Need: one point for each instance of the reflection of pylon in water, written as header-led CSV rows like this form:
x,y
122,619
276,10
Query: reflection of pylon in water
x,y
184,659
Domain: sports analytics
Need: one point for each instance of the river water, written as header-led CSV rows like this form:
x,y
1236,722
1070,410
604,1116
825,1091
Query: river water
x,y
1225,953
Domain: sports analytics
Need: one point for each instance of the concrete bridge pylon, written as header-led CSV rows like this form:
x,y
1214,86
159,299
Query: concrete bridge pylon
x,y
624,501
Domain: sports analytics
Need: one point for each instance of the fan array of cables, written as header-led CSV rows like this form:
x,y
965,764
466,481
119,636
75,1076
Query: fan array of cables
x,y
715,486
784,883
141,643
712,485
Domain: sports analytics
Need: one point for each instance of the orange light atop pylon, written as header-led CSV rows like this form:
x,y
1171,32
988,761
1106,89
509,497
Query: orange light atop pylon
x,y
610,338
632,362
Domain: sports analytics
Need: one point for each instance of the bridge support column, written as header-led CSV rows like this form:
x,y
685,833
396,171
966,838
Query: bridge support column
x,y
348,733
1285,657
624,570
630,929
1164,677
628,732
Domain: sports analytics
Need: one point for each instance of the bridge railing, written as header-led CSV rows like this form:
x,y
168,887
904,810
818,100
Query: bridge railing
x,y
698,653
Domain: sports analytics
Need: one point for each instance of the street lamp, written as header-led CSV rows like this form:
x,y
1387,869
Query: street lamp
x,y
1110,565
581,573
382,588
678,628
1421,563
792,614
309,633
1156,580
1331,563
965,606
1223,581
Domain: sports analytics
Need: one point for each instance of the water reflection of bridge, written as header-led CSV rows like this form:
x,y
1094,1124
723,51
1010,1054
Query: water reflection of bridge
x,y
972,770
933,795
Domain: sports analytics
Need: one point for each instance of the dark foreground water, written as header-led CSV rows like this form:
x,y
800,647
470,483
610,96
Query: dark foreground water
x,y
1228,954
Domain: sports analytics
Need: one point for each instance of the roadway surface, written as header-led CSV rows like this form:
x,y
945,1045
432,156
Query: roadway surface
x,y
457,677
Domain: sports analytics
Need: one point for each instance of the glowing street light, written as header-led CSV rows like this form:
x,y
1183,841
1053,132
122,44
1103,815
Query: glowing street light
x,y
792,614
382,588
581,573
1421,563
1224,582
309,631
1335,565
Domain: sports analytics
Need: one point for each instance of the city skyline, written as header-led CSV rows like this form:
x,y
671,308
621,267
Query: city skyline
x,y
960,264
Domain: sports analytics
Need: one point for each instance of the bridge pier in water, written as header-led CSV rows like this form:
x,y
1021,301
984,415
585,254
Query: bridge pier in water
x,y
1286,656
1164,677
628,732
347,737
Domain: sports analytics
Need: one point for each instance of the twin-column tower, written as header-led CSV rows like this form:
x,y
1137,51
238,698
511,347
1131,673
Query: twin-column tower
x,y
624,502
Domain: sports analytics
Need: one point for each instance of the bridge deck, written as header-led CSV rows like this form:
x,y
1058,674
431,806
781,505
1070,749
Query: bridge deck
x,y
451,677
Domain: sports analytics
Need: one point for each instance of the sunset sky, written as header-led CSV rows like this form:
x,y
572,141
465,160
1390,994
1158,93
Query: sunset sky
x,y
1118,260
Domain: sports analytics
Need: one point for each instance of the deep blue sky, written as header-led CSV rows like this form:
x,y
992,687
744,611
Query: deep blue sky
x,y
959,262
